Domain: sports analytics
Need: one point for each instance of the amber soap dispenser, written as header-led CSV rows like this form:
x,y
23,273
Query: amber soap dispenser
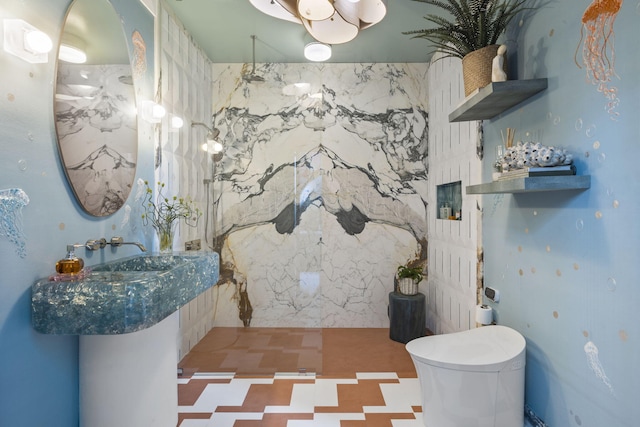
x,y
70,264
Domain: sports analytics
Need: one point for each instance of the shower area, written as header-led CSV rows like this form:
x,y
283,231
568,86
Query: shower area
x,y
318,195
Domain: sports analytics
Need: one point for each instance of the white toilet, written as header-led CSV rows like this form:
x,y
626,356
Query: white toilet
x,y
472,378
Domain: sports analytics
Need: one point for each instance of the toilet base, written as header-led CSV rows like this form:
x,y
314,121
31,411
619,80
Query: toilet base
x,y
471,399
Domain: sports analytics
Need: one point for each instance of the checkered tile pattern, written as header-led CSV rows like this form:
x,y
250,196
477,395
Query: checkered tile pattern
x,y
371,399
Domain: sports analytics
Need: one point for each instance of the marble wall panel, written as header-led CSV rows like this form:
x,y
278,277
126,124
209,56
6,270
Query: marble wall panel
x,y
320,192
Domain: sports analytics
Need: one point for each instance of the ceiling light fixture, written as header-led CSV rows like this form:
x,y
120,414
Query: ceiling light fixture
x,y
317,52
71,54
328,21
72,49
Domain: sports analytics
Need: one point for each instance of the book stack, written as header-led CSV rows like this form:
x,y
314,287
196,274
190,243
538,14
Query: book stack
x,y
538,171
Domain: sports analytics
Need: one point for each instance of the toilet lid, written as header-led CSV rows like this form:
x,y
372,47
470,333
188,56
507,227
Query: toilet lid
x,y
485,349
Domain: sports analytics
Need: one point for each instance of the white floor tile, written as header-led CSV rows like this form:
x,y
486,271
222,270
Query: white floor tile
x,y
402,396
227,419
376,375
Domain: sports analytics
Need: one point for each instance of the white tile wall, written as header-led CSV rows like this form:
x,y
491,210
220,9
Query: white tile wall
x,y
453,245
185,90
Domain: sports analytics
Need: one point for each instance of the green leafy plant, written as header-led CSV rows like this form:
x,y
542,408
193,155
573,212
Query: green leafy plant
x,y
414,273
162,211
473,24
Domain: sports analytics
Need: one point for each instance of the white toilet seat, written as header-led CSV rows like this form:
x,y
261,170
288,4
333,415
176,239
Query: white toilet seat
x,y
492,348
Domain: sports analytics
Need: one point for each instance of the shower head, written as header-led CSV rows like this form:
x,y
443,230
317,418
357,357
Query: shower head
x,y
252,77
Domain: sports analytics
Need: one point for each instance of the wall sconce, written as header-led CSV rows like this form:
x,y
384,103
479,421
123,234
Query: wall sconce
x,y
317,52
176,122
212,146
152,112
26,42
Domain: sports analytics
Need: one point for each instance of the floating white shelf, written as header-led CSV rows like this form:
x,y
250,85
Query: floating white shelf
x,y
533,184
495,98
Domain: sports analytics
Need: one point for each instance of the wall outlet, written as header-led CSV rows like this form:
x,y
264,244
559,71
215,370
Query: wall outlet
x,y
192,245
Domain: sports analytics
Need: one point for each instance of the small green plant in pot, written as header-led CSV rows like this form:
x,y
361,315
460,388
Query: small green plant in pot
x,y
471,33
408,279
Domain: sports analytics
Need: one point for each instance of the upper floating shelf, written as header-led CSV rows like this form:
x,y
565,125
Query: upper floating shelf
x,y
495,98
533,184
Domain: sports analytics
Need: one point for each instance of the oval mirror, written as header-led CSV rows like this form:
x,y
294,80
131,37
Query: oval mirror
x,y
95,110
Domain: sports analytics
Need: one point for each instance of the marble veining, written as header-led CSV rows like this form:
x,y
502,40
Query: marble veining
x,y
321,189
122,296
97,133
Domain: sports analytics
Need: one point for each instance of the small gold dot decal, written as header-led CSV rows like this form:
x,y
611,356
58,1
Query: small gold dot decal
x,y
526,230
616,204
520,272
596,145
585,334
551,32
61,226
555,314
623,335
533,270
598,215
558,273
519,248
576,266
548,248
11,97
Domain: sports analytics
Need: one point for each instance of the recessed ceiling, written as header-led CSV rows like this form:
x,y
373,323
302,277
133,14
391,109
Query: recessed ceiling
x,y
223,29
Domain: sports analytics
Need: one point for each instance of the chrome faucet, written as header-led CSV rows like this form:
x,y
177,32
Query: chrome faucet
x,y
95,244
119,241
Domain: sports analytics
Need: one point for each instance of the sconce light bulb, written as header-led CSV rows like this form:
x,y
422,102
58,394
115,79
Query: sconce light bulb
x,y
176,122
38,42
217,147
158,111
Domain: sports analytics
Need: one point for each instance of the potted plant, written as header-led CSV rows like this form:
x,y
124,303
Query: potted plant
x,y
408,279
471,34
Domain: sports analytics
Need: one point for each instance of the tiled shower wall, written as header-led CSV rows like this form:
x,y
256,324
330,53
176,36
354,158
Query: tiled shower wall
x,y
454,255
184,90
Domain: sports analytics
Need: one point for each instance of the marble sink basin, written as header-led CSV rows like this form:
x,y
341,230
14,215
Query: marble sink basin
x,y
122,296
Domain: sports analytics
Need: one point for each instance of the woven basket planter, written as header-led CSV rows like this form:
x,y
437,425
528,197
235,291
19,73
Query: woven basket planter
x,y
407,286
476,68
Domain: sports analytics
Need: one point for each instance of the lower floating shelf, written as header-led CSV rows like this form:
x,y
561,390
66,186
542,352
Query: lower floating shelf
x,y
533,184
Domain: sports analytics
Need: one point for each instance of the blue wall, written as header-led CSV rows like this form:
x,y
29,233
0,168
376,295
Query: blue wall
x,y
39,375
566,263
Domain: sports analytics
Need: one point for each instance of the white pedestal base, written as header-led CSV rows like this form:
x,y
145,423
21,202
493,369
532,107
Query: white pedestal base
x,y
130,380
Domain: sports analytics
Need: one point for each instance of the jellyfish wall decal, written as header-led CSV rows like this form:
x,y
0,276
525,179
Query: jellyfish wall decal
x,y
598,54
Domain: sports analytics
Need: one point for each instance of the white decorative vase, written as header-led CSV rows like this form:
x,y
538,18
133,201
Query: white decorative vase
x,y
407,286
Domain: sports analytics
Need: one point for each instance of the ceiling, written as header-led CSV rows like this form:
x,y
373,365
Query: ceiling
x,y
223,29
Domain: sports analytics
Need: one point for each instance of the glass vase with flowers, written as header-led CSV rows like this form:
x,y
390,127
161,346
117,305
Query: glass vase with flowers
x,y
163,213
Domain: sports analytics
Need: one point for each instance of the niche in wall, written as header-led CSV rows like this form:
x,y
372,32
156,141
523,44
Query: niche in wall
x,y
449,198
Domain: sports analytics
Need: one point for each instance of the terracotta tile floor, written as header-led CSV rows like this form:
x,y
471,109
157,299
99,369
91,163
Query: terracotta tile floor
x,y
238,377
